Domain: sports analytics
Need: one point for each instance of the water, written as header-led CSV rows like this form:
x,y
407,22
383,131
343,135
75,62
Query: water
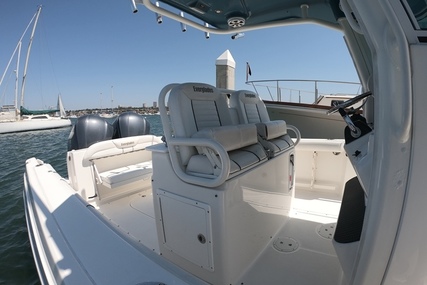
x,y
16,259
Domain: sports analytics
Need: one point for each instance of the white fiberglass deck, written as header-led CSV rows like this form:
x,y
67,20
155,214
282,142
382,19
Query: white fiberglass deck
x,y
303,245
134,215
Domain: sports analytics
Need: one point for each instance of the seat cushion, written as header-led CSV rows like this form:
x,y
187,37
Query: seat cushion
x,y
282,142
240,159
272,129
123,175
247,157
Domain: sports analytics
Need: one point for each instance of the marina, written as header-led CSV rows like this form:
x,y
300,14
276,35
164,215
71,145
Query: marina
x,y
16,118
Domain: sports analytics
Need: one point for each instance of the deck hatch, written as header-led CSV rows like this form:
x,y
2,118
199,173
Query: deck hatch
x,y
187,228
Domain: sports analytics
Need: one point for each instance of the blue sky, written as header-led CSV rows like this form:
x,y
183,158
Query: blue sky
x,y
83,48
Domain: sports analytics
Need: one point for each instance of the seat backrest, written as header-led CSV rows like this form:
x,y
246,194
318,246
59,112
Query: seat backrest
x,y
250,108
194,107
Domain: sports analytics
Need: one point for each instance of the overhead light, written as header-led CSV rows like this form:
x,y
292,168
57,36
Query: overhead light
x,y
237,36
134,8
207,36
183,26
158,16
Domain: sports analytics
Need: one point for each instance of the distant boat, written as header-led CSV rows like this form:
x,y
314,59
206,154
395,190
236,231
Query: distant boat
x,y
108,115
32,120
14,119
311,119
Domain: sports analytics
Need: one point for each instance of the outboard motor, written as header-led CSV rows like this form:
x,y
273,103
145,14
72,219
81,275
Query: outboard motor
x,y
87,130
130,124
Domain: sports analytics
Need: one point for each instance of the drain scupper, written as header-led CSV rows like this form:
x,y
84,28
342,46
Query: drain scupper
x,y
327,230
285,244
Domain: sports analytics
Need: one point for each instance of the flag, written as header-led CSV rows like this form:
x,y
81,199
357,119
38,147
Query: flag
x,y
248,71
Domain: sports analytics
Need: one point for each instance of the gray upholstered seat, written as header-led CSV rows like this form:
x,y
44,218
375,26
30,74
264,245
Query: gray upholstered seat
x,y
251,109
199,112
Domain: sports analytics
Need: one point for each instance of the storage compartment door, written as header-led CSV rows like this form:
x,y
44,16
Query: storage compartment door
x,y
187,228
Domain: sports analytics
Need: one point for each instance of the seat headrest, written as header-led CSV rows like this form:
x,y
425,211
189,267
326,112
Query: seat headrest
x,y
193,106
250,108
247,97
197,91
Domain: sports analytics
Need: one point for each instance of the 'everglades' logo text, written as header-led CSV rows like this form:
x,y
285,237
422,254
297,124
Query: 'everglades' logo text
x,y
127,144
202,89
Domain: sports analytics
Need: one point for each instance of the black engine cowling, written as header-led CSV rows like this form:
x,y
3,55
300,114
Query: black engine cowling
x,y
130,124
87,130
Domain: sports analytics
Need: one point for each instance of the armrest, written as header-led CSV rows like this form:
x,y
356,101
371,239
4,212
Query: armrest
x,y
199,142
272,129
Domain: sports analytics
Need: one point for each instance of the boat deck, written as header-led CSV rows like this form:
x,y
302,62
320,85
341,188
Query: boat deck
x,y
134,215
304,242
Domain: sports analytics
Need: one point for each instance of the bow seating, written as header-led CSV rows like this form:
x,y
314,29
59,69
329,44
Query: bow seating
x,y
251,110
205,143
120,165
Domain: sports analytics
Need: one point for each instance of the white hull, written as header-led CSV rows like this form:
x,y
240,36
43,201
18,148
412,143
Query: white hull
x,y
60,242
116,242
227,213
128,214
33,125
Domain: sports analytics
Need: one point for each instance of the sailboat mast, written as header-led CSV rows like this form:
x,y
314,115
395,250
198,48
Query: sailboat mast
x,y
17,75
17,46
28,55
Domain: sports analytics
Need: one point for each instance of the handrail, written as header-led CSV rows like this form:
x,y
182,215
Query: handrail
x,y
275,84
297,133
199,142
163,111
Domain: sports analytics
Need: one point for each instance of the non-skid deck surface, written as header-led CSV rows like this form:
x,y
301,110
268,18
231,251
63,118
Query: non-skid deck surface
x,y
135,216
301,253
